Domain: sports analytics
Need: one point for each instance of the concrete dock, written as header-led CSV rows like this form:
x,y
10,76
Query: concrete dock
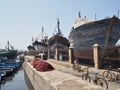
x,y
56,79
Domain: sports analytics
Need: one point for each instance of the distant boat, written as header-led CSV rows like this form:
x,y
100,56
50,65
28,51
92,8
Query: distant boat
x,y
8,53
57,40
41,45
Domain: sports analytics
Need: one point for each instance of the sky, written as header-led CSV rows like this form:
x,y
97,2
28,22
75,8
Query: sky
x,y
20,20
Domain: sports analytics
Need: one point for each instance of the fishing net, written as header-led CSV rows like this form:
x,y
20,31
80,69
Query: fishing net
x,y
42,66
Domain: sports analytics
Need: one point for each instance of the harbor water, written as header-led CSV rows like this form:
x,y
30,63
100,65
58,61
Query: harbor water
x,y
17,81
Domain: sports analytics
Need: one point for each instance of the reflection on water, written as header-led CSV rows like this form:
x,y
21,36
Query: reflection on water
x,y
16,82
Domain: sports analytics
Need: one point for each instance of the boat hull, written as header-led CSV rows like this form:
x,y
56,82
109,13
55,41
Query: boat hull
x,y
58,41
103,32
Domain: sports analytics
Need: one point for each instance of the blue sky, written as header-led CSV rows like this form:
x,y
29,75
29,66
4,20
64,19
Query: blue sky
x,y
22,19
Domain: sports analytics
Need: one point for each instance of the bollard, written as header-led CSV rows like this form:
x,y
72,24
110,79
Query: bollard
x,y
71,55
96,56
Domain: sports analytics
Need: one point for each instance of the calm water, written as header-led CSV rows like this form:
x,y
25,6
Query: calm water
x,y
18,81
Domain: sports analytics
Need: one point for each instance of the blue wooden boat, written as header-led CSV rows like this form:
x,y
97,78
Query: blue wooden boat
x,y
7,71
2,75
8,68
14,65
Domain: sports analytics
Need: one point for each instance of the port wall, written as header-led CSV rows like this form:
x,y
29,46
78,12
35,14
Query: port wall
x,y
55,80
37,81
